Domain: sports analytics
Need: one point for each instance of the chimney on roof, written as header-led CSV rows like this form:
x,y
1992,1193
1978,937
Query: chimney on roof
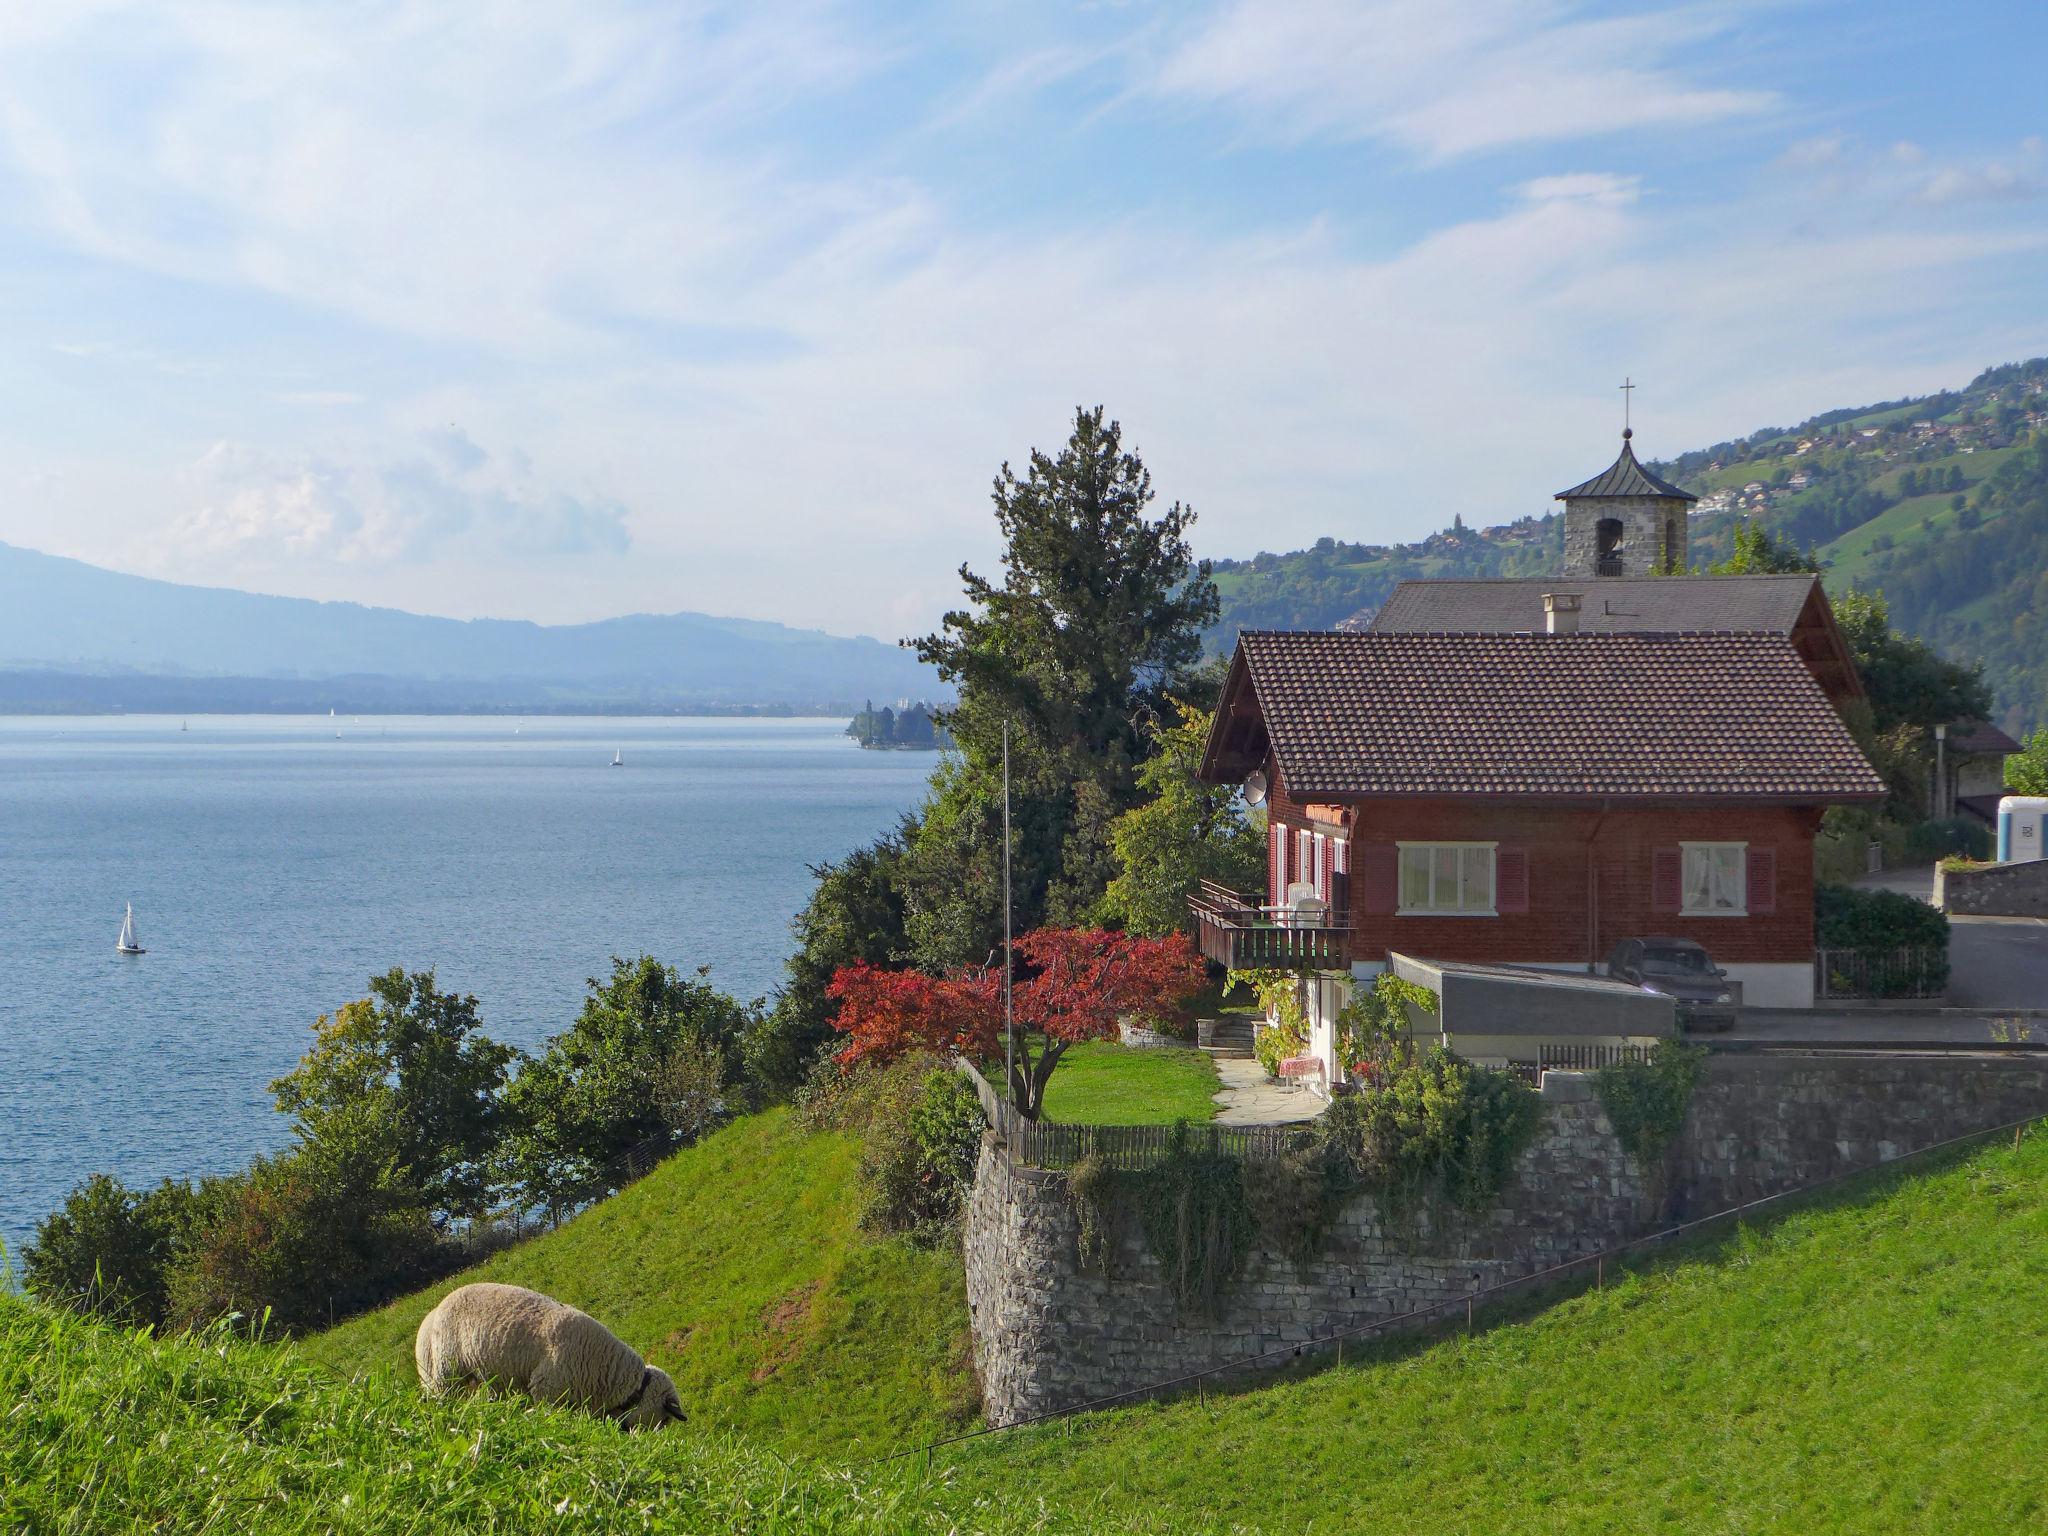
x,y
1561,613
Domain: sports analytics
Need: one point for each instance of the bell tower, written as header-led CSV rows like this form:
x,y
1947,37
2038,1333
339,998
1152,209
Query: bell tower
x,y
1625,521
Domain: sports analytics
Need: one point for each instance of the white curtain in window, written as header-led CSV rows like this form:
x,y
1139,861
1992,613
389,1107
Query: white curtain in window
x,y
1715,878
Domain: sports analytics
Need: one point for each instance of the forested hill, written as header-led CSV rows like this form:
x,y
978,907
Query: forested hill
x,y
1941,502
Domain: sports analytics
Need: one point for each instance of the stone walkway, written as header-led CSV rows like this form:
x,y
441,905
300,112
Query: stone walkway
x,y
1248,1097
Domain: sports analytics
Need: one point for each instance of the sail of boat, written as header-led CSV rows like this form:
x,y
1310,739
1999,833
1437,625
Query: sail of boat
x,y
619,758
126,943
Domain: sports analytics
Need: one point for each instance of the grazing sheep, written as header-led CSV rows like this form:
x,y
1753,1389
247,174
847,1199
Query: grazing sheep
x,y
509,1336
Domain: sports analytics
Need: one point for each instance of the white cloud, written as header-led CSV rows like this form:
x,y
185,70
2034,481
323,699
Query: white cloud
x,y
1602,187
1451,79
254,506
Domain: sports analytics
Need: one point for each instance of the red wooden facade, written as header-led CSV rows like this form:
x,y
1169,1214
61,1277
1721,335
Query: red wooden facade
x,y
1569,881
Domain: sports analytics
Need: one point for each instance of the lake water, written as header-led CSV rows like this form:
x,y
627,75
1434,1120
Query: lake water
x,y
275,865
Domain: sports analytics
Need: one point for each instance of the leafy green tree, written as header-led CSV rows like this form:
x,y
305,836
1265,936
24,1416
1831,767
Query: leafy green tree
x,y
596,1092
1908,682
328,1229
2026,773
1096,623
1189,831
1756,553
855,914
409,1067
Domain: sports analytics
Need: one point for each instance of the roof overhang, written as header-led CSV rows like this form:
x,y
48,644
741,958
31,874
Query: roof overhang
x,y
1237,735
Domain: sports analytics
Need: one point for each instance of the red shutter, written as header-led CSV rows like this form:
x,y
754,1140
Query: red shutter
x,y
1511,880
1667,879
1323,868
1276,863
1377,878
1763,880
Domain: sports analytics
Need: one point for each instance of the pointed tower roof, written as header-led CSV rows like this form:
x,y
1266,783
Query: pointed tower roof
x,y
1625,477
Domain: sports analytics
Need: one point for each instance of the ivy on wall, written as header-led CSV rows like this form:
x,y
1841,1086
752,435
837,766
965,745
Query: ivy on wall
x,y
1646,1101
1428,1126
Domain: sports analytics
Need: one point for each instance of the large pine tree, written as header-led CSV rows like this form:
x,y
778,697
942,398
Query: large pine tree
x,y
1095,623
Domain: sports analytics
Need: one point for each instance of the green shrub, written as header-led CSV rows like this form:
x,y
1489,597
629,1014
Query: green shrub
x,y
1433,1122
1285,1031
105,1251
305,1239
1927,841
920,1127
1646,1101
1851,917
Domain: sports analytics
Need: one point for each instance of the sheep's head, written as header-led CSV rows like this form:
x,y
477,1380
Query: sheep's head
x,y
659,1406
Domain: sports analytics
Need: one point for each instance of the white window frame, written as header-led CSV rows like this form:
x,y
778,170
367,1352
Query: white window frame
x,y
1401,907
1687,853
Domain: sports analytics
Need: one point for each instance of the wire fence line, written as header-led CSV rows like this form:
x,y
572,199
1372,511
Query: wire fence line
x,y
1334,1340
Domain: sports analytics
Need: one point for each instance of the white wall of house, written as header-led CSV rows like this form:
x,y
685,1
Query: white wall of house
x,y
1774,986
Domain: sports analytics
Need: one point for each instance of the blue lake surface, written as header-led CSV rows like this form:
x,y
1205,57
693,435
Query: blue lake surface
x,y
275,866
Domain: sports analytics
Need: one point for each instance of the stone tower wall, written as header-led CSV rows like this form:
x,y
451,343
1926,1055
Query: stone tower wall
x,y
1643,520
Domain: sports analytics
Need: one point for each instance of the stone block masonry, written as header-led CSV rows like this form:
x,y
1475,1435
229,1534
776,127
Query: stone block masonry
x,y
1995,890
1049,1334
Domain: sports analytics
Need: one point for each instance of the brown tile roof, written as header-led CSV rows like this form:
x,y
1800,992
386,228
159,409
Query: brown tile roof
x,y
1976,738
1667,716
1641,605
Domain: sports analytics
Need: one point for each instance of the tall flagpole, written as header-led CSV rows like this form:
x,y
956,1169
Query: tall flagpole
x,y
1009,1020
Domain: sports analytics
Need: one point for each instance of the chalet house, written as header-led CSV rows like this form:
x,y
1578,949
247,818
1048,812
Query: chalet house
x,y
1526,773
1969,776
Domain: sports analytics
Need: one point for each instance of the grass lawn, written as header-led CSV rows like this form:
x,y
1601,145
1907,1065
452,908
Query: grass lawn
x,y
1103,1083
1873,1363
106,1431
736,1266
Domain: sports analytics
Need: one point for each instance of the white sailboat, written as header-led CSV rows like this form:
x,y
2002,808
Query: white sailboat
x,y
126,943
619,758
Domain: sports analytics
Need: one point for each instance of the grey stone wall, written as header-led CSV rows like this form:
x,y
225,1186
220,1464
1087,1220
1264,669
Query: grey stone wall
x,y
1048,1334
1998,890
1643,533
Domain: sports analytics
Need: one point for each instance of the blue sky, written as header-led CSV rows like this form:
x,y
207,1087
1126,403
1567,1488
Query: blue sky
x,y
561,310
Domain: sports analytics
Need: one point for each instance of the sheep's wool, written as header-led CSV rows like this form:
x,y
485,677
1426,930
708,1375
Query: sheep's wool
x,y
508,1336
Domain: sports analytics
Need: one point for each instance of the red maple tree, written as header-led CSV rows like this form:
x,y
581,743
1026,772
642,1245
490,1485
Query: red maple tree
x,y
1073,984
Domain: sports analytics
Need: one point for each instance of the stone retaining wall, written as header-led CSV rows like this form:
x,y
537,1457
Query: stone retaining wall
x,y
1048,1334
1997,890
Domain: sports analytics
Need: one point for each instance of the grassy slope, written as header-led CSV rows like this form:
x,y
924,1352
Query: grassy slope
x,y
1874,1364
737,1267
1103,1083
110,1432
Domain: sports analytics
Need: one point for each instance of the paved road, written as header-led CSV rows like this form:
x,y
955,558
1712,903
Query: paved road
x,y
1962,1026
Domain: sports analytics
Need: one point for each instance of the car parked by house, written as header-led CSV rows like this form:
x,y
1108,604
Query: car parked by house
x,y
1682,970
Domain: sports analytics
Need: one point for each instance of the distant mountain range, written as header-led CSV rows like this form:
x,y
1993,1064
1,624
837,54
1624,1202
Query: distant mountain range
x,y
75,637
1940,502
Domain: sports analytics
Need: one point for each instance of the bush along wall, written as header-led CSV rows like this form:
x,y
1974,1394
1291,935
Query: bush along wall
x,y
1433,1127
1879,924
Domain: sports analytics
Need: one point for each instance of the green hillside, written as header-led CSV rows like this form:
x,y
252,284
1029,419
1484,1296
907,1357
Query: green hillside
x,y
737,1267
1869,1363
1873,491
105,1431
1873,1363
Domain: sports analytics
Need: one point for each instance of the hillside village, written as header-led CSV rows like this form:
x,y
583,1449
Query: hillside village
x,y
1871,494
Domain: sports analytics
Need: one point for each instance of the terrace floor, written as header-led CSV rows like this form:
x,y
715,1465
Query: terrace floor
x,y
1249,1097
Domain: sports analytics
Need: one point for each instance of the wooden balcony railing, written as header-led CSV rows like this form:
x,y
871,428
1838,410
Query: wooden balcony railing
x,y
1243,936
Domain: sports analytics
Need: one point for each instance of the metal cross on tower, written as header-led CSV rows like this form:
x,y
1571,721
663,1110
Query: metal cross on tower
x,y
1628,386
